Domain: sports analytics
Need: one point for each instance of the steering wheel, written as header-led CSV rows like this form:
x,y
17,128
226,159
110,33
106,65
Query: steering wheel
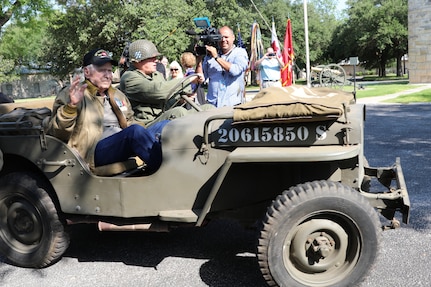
x,y
177,93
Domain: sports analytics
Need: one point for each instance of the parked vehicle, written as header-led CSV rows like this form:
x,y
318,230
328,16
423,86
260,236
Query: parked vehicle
x,y
302,176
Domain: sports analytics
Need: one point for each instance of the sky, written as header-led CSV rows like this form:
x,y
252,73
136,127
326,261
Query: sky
x,y
341,4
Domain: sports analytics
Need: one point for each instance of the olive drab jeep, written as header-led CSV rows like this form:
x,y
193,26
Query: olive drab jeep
x,y
292,159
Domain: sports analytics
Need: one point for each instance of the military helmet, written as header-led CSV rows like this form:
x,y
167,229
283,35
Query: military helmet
x,y
141,50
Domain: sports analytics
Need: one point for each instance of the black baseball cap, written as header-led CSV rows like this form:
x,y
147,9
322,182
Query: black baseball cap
x,y
98,57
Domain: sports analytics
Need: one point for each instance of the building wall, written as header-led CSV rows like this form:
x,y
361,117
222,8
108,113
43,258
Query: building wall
x,y
419,20
31,86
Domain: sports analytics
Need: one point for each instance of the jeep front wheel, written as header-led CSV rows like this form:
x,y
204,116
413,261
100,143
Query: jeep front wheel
x,y
31,233
318,234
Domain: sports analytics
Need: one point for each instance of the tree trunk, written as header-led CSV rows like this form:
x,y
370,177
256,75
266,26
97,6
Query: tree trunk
x,y
399,67
382,69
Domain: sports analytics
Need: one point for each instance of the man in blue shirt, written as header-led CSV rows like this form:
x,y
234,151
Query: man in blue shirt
x,y
270,69
224,68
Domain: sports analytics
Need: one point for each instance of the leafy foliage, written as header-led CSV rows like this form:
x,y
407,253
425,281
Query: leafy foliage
x,y
20,41
376,31
61,37
7,70
22,9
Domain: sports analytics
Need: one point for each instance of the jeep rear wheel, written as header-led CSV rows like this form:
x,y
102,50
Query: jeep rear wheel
x,y
31,233
318,234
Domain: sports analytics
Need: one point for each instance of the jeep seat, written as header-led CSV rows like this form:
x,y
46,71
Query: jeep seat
x,y
118,168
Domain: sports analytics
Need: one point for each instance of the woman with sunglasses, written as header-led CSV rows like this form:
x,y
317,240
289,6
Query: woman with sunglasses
x,y
175,71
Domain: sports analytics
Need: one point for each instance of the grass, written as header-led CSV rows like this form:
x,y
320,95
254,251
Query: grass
x,y
419,97
33,99
378,90
386,78
423,96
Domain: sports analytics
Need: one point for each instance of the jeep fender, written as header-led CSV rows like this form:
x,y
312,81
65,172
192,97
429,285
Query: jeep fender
x,y
281,154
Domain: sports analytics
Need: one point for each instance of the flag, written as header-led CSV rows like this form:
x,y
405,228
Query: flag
x,y
257,49
288,57
275,44
239,41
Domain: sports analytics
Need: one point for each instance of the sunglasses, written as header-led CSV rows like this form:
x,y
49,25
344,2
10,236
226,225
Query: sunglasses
x,y
174,69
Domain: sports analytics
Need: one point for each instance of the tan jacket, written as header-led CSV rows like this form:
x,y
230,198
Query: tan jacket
x,y
82,127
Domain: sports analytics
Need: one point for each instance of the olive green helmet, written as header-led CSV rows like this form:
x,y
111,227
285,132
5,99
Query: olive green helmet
x,y
141,50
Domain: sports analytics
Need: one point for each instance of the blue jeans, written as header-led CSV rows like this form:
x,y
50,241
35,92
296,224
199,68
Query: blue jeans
x,y
134,140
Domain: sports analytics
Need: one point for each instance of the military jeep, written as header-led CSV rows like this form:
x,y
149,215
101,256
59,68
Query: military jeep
x,y
291,160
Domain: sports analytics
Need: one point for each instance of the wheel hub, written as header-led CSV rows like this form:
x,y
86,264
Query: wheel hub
x,y
320,247
24,223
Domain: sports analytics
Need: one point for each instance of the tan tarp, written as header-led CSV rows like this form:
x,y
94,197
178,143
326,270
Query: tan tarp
x,y
293,103
30,104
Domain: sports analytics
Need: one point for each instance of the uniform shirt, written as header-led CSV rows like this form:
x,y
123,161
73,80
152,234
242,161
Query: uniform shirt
x,y
148,93
226,88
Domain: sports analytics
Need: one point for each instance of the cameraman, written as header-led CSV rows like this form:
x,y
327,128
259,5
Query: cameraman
x,y
270,69
224,69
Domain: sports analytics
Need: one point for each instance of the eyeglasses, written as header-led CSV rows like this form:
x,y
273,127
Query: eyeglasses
x,y
174,69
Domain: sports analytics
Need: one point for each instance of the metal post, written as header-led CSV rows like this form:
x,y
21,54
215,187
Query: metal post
x,y
354,61
307,48
354,82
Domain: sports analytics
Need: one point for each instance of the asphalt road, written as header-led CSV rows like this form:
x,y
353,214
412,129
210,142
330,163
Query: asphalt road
x,y
223,253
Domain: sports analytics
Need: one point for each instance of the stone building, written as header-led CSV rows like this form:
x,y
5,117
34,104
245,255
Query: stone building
x,y
419,20
31,84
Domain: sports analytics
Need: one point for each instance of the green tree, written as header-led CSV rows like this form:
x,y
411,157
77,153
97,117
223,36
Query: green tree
x,y
393,27
322,23
375,31
77,26
7,68
20,41
22,9
110,24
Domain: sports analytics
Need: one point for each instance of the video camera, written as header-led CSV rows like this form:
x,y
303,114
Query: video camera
x,y
209,36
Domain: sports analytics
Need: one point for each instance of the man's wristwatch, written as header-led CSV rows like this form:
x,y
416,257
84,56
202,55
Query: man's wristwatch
x,y
216,57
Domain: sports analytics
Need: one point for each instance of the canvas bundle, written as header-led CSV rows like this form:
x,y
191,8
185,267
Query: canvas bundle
x,y
25,117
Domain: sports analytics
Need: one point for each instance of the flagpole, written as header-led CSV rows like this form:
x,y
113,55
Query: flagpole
x,y
307,48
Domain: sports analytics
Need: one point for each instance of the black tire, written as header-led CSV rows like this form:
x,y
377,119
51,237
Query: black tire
x,y
319,234
31,233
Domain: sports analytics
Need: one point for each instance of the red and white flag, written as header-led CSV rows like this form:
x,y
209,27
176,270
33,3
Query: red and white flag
x,y
288,57
275,44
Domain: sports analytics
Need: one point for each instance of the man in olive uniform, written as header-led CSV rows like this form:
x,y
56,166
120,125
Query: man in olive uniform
x,y
147,88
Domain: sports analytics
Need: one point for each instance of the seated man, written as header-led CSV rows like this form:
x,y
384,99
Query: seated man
x,y
96,119
147,88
